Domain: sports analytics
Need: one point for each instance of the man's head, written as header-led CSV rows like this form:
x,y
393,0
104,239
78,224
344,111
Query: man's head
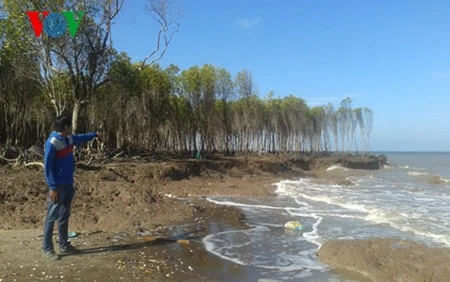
x,y
63,125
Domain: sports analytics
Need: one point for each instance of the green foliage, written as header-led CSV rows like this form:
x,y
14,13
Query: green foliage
x,y
168,109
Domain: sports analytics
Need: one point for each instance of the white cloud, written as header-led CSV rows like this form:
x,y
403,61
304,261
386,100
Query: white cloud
x,y
247,23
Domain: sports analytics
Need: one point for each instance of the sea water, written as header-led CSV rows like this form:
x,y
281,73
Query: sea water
x,y
408,199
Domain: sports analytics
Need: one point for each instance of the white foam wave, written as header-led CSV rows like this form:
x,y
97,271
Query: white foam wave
x,y
336,201
336,166
435,178
293,188
373,201
417,173
397,220
446,180
228,203
380,216
306,191
289,260
363,180
209,242
340,215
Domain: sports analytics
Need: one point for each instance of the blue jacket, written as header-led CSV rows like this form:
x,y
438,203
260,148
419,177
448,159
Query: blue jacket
x,y
58,161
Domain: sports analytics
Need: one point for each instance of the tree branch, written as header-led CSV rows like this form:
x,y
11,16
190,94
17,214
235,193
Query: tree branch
x,y
159,11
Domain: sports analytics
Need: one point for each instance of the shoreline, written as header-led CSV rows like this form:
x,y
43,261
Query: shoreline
x,y
115,195
138,197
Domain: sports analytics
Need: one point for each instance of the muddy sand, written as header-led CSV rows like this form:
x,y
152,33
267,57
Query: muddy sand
x,y
118,205
388,259
127,256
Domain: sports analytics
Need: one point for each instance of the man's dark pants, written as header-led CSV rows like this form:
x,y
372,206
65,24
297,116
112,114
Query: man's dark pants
x,y
58,212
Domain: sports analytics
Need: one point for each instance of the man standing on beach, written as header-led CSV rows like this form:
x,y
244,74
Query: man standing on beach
x,y
59,168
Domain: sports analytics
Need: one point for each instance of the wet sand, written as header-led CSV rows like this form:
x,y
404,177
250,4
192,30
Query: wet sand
x,y
127,256
388,259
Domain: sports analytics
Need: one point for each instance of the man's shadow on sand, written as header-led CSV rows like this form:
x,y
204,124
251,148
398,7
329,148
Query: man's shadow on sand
x,y
157,241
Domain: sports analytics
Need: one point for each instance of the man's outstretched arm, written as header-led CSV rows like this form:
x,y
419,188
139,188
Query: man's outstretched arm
x,y
83,138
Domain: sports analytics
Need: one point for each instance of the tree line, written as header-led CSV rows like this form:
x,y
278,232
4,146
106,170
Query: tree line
x,y
140,105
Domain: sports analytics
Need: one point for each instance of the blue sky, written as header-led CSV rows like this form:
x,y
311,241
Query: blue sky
x,y
390,56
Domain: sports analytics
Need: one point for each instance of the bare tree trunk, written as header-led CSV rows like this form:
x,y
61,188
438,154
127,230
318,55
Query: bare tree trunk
x,y
76,115
7,125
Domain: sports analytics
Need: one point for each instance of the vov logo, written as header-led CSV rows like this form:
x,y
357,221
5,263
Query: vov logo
x,y
55,24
